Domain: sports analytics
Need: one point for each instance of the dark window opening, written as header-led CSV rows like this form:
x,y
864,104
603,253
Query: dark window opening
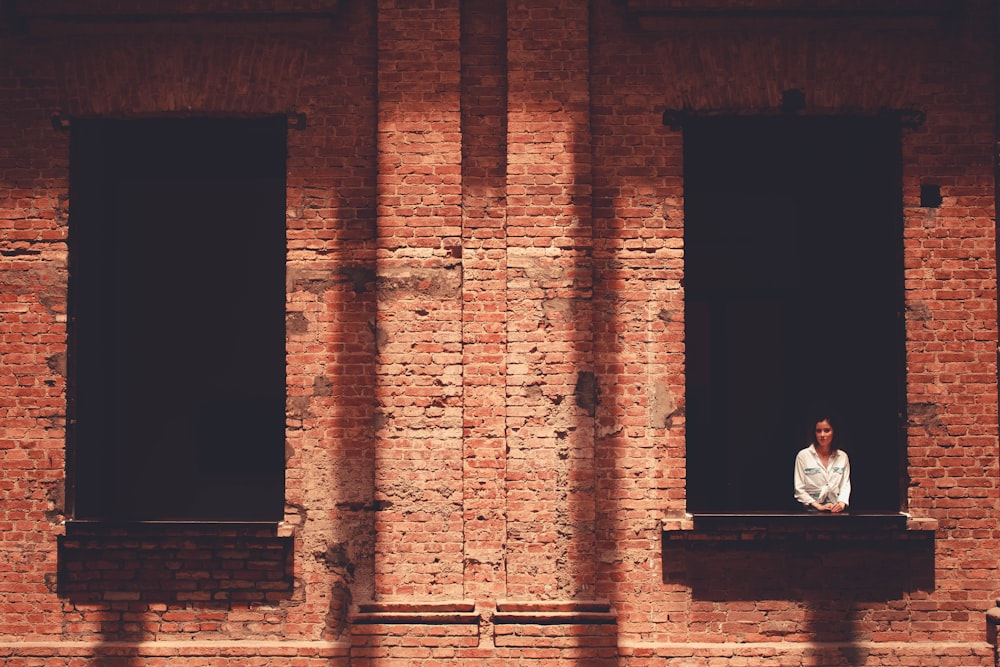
x,y
794,294
177,297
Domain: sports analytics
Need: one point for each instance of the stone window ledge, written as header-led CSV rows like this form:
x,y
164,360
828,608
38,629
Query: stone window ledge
x,y
749,526
109,17
112,528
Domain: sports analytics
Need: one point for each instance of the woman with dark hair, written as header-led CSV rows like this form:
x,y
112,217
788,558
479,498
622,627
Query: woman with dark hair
x,y
823,471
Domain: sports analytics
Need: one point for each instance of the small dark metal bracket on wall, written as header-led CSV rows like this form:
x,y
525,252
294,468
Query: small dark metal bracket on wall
x,y
792,104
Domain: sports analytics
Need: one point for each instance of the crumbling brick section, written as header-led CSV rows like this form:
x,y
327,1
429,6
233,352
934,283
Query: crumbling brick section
x,y
419,373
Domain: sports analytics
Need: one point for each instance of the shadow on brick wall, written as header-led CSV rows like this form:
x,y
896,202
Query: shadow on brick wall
x,y
801,569
207,566
836,592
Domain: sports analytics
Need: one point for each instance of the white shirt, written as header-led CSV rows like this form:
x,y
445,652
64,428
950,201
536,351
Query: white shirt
x,y
816,483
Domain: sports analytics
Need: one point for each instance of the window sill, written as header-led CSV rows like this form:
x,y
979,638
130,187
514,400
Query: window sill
x,y
750,526
114,528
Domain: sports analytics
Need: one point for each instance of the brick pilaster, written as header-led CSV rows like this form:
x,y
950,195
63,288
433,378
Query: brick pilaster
x,y
484,266
552,391
419,322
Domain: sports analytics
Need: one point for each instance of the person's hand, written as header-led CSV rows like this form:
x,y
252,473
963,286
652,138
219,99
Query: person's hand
x,y
830,507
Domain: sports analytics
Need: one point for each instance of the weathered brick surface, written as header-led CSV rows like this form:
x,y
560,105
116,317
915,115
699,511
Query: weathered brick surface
x,y
552,392
951,368
485,340
419,326
484,300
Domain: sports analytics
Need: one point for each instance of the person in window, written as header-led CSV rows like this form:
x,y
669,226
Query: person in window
x,y
823,472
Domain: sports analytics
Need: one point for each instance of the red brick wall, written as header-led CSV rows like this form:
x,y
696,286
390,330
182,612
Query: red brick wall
x,y
552,394
485,341
419,324
484,302
33,199
711,591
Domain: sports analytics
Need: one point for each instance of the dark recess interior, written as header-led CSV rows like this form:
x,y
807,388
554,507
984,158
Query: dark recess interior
x,y
793,283
177,301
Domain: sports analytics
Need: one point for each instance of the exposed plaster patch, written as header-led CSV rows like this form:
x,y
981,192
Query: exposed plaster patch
x,y
662,405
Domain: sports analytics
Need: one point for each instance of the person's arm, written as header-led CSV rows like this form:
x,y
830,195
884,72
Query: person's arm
x,y
845,485
800,485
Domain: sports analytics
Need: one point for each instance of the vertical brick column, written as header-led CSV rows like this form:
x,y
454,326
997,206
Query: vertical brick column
x,y
638,331
951,328
33,272
419,322
552,393
331,318
484,262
